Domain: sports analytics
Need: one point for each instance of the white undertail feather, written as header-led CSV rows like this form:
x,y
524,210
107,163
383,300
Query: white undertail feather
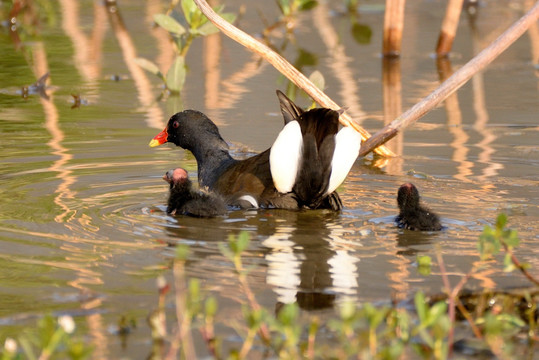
x,y
285,157
347,145
251,200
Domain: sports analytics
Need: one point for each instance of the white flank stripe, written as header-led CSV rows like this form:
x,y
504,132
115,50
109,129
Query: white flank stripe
x,y
285,155
251,200
347,144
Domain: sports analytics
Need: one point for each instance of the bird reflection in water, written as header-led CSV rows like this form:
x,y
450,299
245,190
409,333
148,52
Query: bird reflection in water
x,y
309,262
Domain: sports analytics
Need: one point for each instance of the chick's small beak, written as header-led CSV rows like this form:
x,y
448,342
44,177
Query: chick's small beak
x,y
159,139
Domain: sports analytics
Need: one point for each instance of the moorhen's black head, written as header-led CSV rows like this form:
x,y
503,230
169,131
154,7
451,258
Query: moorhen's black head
x,y
188,129
408,196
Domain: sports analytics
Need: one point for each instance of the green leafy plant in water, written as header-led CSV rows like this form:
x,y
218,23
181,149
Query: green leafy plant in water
x,y
291,7
196,25
494,238
52,337
433,326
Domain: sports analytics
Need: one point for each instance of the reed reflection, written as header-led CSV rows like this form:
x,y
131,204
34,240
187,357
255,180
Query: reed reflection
x,y
338,62
392,94
75,260
88,56
481,113
154,114
454,121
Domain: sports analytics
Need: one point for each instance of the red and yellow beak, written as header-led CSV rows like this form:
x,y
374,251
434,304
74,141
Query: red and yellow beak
x,y
159,139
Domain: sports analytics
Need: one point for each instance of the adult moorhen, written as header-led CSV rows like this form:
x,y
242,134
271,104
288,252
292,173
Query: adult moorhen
x,y
413,215
184,200
309,159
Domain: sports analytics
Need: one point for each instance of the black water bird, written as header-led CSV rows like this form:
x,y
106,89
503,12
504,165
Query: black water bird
x,y
309,159
184,200
413,215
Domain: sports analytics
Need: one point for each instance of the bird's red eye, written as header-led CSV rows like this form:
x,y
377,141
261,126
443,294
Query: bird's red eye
x,y
175,124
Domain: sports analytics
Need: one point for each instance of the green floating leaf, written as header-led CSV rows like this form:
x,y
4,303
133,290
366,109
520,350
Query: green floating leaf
x,y
149,66
318,79
424,264
169,24
176,75
362,33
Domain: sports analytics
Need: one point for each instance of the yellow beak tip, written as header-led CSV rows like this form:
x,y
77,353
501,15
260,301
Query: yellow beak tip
x,y
154,143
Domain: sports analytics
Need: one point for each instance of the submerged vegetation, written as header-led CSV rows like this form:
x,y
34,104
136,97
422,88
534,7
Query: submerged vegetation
x,y
503,324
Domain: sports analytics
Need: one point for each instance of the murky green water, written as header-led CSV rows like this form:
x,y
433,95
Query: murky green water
x,y
82,223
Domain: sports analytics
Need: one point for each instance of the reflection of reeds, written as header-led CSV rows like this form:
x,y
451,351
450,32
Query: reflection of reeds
x,y
454,122
392,94
482,118
75,261
338,62
166,54
88,51
224,94
154,114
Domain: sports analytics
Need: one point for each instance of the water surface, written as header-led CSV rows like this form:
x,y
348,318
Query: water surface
x,y
82,223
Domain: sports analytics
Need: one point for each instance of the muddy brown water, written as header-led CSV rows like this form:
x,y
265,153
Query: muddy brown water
x,y
82,223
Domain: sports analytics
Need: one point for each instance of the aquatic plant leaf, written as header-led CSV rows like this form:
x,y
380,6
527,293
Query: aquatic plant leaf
x,y
508,265
241,243
488,243
501,221
510,238
436,312
288,314
169,24
318,79
347,310
307,4
420,306
176,75
362,34
424,265
182,252
225,250
208,28
284,6
189,8
210,306
149,66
